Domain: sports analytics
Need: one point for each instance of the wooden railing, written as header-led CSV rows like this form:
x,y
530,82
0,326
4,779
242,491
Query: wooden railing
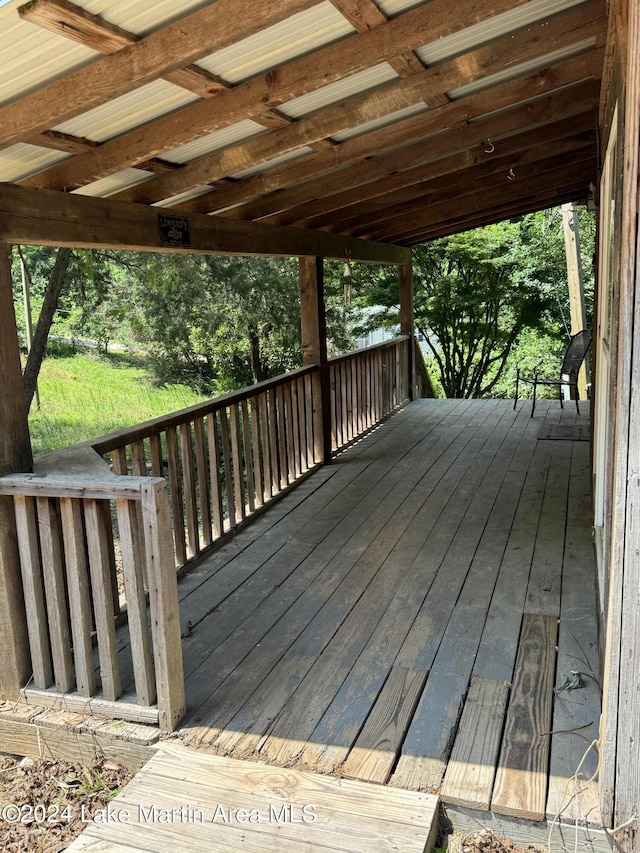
x,y
72,531
366,386
102,527
223,459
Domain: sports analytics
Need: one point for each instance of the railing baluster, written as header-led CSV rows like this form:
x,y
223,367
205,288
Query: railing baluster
x,y
163,604
254,416
54,581
79,594
237,461
189,487
295,429
214,466
273,441
131,542
248,461
33,586
175,489
203,480
266,446
228,474
102,600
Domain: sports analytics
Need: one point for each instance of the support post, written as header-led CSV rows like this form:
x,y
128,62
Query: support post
x,y
571,227
314,350
406,320
15,455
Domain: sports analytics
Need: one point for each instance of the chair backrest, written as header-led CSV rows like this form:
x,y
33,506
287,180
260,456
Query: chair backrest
x,y
576,351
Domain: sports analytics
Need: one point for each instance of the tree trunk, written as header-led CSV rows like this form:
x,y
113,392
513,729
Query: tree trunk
x,y
39,345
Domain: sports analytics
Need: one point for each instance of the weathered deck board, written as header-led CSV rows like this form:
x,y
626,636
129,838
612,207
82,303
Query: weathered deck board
x,y
419,548
575,717
521,778
220,804
375,750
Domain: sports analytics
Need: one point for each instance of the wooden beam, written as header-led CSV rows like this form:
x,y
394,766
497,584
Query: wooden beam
x,y
444,181
524,93
249,99
314,350
405,272
48,218
93,31
473,182
364,15
15,455
342,194
67,19
514,191
178,44
336,119
489,216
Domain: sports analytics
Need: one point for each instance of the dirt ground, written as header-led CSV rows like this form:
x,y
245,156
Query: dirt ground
x,y
44,804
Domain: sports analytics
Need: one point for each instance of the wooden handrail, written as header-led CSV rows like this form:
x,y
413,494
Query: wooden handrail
x,y
358,352
127,435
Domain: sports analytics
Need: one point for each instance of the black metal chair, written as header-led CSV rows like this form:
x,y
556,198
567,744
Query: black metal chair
x,y
571,364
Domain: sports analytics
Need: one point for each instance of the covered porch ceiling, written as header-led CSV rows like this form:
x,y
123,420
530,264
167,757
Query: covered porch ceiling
x,y
391,121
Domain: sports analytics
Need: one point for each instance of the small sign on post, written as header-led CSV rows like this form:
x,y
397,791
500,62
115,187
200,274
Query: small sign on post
x,y
174,230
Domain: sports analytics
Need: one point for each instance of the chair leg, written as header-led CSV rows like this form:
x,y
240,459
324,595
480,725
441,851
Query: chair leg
x,y
517,385
533,405
577,400
561,397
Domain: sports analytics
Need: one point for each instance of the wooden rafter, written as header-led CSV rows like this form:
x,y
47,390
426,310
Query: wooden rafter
x,y
326,65
70,20
332,120
415,163
171,47
552,184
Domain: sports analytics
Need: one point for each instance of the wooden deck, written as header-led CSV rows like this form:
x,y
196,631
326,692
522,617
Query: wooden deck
x,y
420,614
410,614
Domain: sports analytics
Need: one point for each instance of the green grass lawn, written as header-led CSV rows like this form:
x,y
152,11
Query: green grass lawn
x,y
83,396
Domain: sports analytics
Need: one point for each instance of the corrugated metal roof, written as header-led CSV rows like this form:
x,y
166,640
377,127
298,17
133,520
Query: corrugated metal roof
x,y
232,135
297,35
181,197
22,160
521,70
383,121
128,111
494,28
272,164
115,183
140,16
32,56
339,91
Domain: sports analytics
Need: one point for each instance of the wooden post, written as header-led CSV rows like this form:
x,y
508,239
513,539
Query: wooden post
x,y
406,320
314,349
28,320
15,455
571,226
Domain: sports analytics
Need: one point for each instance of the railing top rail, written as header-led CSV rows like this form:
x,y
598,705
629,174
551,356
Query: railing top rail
x,y
110,441
106,487
384,345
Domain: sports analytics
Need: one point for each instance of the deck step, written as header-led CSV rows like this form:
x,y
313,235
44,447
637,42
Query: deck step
x,y
185,801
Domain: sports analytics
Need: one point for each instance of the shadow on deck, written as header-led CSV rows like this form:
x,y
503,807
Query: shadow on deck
x,y
421,613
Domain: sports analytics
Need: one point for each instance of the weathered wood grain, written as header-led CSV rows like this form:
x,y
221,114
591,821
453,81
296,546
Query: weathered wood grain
x,y
521,778
468,780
